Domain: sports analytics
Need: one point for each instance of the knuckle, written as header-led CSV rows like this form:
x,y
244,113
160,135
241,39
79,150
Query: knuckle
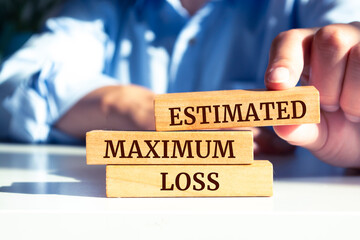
x,y
290,34
279,37
331,39
294,33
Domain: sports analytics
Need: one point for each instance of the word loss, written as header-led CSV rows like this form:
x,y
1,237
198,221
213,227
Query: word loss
x,y
183,182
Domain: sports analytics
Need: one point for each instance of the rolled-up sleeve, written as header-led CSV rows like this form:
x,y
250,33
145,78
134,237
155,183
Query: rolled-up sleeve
x,y
55,69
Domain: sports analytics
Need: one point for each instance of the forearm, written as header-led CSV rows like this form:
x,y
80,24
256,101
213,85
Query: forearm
x,y
110,107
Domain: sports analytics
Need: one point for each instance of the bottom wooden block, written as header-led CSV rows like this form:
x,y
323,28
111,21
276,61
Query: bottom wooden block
x,y
189,180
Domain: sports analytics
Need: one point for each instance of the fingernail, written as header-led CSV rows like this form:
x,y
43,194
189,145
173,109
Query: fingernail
x,y
330,108
279,75
352,118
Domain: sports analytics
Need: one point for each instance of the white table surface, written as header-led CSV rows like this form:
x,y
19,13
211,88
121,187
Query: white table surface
x,y
48,192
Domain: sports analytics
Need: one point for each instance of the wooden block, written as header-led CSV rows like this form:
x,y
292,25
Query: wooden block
x,y
202,147
236,108
190,180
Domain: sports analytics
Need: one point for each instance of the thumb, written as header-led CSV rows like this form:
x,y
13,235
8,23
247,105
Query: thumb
x,y
289,53
310,136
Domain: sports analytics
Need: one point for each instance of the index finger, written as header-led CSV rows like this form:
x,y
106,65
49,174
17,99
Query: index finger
x,y
289,53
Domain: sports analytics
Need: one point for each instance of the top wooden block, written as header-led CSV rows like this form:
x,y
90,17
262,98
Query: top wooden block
x,y
236,108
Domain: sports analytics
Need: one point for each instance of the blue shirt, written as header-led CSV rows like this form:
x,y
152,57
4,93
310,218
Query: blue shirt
x,y
153,43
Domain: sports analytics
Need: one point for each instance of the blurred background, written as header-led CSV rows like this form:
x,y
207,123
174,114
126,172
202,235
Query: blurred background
x,y
19,19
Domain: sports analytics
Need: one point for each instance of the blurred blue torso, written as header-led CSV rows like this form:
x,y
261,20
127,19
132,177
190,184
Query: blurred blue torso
x,y
155,44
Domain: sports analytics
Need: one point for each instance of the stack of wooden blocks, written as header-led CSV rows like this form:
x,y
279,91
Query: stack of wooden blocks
x,y
172,162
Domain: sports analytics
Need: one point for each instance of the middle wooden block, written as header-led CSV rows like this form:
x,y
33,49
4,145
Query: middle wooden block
x,y
195,147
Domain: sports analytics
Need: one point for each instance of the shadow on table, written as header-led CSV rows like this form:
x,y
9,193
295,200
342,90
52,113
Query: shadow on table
x,y
324,181
81,189
45,168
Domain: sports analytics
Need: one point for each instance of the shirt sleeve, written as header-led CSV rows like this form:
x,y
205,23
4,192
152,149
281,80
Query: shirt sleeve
x,y
57,68
318,13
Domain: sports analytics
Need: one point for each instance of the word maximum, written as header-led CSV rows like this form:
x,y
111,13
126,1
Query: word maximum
x,y
169,149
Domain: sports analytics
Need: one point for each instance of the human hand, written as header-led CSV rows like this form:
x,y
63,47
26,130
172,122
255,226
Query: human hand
x,y
128,107
266,141
329,59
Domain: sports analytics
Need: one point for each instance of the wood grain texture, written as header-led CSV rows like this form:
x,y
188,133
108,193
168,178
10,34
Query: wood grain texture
x,y
236,108
195,147
190,180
